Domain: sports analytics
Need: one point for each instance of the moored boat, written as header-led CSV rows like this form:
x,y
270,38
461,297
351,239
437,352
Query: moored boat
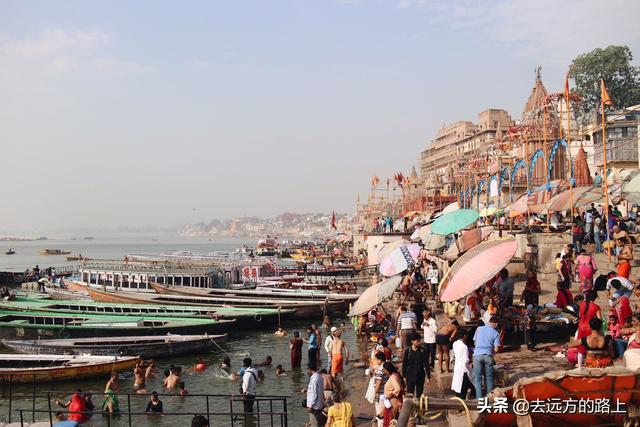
x,y
54,252
296,294
142,346
29,368
64,325
303,309
243,316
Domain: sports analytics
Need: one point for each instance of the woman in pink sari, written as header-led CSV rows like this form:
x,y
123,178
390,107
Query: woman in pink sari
x,y
586,265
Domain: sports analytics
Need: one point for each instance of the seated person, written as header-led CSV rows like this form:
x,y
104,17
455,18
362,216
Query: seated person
x,y
599,349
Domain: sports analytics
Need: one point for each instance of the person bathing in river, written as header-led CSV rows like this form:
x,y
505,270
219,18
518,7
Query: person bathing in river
x,y
280,333
337,347
138,377
112,384
267,362
172,380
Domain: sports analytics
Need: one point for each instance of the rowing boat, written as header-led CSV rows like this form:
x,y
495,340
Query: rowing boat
x,y
304,309
243,316
287,294
28,368
64,325
142,346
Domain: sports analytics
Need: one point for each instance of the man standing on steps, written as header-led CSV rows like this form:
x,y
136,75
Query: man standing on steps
x,y
415,366
487,341
315,397
406,327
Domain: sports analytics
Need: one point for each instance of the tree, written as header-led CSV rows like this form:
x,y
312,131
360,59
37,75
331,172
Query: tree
x,y
612,64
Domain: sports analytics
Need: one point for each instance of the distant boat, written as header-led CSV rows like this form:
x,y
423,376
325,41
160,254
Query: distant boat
x,y
54,252
142,346
29,368
10,252
89,238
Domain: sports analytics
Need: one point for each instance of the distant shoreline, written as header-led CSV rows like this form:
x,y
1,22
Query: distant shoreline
x,y
21,239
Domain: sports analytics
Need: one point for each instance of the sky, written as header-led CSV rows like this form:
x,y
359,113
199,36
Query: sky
x,y
158,113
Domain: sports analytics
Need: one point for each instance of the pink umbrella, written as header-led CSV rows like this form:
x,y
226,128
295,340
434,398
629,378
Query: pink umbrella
x,y
476,267
399,260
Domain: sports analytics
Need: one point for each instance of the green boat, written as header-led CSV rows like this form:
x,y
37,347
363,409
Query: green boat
x,y
245,317
34,324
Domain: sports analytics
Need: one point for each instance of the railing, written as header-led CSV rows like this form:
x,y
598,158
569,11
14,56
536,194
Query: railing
x,y
275,414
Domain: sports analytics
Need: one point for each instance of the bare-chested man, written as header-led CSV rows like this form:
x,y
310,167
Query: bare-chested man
x,y
112,384
445,336
329,383
172,380
151,369
337,347
138,376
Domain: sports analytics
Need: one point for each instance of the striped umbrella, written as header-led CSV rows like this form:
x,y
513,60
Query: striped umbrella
x,y
399,260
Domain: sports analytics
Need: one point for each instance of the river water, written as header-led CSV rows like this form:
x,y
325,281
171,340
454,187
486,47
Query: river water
x,y
256,343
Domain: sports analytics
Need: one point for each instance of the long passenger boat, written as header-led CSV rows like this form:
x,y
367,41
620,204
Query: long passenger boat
x,y
243,316
143,346
29,368
304,309
250,293
63,325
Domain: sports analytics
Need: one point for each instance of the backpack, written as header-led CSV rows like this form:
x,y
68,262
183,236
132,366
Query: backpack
x,y
255,378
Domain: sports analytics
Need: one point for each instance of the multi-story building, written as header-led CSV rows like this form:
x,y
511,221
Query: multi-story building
x,y
622,140
461,149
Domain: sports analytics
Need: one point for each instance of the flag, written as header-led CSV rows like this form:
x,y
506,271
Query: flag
x,y
333,221
566,89
374,181
604,95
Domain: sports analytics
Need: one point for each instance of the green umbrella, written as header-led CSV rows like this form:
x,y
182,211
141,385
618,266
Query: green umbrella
x,y
455,221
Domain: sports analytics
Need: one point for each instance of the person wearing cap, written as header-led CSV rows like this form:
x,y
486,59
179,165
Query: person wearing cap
x,y
327,346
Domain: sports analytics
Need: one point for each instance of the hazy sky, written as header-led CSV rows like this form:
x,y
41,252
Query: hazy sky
x,y
160,113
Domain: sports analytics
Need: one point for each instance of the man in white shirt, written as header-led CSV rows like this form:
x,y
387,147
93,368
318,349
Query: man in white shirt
x,y
621,285
249,383
406,326
315,397
430,328
327,346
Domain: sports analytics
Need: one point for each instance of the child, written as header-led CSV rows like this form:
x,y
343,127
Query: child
x,y
280,372
181,390
530,328
155,405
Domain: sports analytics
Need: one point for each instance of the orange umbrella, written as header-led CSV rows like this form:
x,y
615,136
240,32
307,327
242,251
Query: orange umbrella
x,y
476,267
519,207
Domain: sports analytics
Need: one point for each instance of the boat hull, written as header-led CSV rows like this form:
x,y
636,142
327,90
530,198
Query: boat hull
x,y
134,346
67,372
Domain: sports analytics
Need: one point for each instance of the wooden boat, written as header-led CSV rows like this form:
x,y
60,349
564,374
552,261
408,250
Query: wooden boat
x,y
10,252
614,383
142,346
296,294
64,325
54,252
29,368
58,293
303,309
243,316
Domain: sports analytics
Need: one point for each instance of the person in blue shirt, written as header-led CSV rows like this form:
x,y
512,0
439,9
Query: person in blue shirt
x,y
313,347
487,342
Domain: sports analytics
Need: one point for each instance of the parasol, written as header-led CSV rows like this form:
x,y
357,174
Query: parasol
x,y
399,260
519,207
562,201
421,233
375,295
433,242
454,221
452,207
631,190
476,267
467,240
487,211
390,247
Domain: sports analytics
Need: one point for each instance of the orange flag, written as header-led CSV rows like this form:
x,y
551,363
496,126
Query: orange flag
x,y
604,95
566,88
374,181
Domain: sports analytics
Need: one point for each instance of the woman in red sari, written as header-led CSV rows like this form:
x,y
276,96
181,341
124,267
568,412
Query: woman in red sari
x,y
588,310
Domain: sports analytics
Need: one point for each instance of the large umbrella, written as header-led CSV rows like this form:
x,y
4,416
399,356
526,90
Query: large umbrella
x,y
631,190
399,260
484,212
467,240
562,201
476,267
454,221
421,233
452,207
433,242
375,295
519,207
390,247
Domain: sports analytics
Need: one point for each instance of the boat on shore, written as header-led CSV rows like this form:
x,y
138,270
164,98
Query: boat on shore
x,y
141,346
30,368
243,316
54,252
296,294
303,309
65,325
